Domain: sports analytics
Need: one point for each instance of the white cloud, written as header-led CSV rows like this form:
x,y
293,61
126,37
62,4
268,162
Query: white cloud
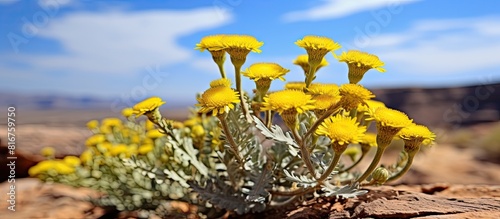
x,y
122,42
331,9
441,46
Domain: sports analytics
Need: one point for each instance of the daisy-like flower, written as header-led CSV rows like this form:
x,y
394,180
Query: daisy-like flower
x,y
92,124
215,46
238,47
218,100
342,131
323,102
415,135
303,62
127,112
389,123
319,89
223,82
72,161
353,95
295,85
211,43
154,134
263,73
149,107
288,103
145,148
317,47
95,140
359,63
86,156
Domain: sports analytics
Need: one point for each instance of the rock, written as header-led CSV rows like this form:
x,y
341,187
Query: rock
x,y
35,199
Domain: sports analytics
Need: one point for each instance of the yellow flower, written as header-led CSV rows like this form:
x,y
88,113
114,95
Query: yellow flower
x,y
127,112
353,95
197,131
118,149
147,105
243,42
370,105
41,167
108,124
222,82
92,124
389,123
211,43
94,140
63,168
288,103
86,156
317,47
238,47
265,70
218,100
149,125
318,89
263,73
303,62
414,135
72,161
154,134
48,151
295,85
284,100
341,131
192,121
323,102
145,148
216,48
359,63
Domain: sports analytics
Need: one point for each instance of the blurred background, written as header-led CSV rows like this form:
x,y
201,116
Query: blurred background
x,y
65,62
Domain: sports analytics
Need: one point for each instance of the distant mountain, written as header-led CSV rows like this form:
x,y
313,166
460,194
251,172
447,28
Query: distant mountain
x,y
446,107
49,102
437,107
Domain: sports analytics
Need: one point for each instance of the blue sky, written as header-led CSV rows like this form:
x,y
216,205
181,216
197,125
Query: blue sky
x,y
134,49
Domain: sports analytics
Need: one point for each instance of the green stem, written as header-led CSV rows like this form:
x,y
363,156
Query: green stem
x,y
331,167
373,165
221,70
310,75
269,118
306,157
230,139
318,122
405,169
244,107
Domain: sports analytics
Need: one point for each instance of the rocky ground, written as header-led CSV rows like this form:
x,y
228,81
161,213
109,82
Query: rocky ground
x,y
446,181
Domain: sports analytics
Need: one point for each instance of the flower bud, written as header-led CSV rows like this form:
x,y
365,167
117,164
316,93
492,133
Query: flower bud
x,y
380,175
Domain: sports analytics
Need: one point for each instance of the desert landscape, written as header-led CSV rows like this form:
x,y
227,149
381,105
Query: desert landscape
x,y
459,177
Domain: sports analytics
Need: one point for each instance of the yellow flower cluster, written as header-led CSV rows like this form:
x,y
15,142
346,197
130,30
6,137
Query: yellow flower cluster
x,y
64,166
